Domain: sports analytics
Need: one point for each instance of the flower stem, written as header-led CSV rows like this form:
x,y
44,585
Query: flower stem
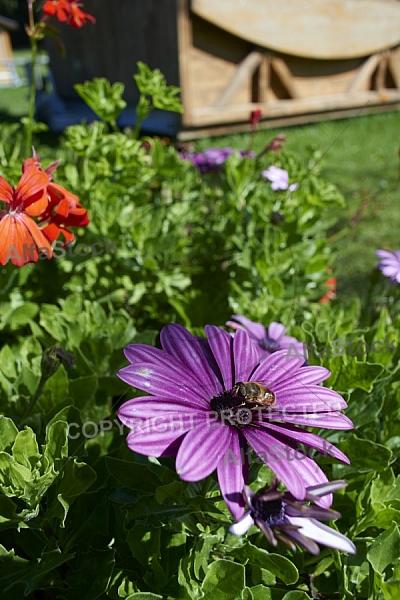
x,y
32,85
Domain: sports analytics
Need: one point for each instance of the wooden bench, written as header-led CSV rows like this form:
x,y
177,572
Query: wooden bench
x,y
296,60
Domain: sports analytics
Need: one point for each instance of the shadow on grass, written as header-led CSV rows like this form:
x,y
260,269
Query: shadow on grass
x,y
6,117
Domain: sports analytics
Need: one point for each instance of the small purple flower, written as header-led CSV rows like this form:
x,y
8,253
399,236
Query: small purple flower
x,y
196,413
279,179
271,340
212,158
390,264
281,517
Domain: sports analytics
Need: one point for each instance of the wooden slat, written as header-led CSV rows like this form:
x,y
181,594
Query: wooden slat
x,y
363,74
283,108
281,69
394,66
243,73
185,43
264,79
380,76
297,119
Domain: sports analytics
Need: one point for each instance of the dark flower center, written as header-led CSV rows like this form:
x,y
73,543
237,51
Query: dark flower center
x,y
231,406
271,512
269,344
239,405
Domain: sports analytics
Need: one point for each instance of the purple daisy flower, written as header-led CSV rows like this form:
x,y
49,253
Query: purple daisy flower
x,y
269,340
390,264
281,517
212,158
203,411
279,179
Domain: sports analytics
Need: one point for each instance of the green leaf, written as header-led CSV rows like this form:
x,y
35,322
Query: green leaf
x,y
55,390
366,455
56,447
144,596
7,362
8,515
103,98
77,478
132,475
13,474
385,550
25,449
152,83
83,389
89,576
144,543
224,580
8,432
49,562
52,320
22,315
357,374
296,595
260,592
278,565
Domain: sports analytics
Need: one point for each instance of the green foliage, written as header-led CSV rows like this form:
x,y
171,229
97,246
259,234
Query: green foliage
x,y
83,517
153,84
103,98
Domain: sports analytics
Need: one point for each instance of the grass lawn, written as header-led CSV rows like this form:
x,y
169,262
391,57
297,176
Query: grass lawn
x,y
360,155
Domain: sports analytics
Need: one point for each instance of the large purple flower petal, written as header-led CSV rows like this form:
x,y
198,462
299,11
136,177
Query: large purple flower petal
x,y
154,439
245,356
313,475
305,437
144,354
221,344
276,331
161,380
306,398
305,376
275,367
256,330
189,351
213,441
274,453
147,407
230,476
328,420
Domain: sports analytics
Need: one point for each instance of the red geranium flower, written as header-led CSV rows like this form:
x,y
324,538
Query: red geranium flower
x,y
63,210
59,8
78,18
20,237
67,11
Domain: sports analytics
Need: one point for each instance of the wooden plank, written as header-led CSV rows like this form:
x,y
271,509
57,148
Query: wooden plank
x,y
394,66
313,29
211,115
287,121
284,74
363,74
381,72
185,43
263,79
243,73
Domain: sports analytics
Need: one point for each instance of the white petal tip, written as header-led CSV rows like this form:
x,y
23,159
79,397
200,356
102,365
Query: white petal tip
x,y
242,526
